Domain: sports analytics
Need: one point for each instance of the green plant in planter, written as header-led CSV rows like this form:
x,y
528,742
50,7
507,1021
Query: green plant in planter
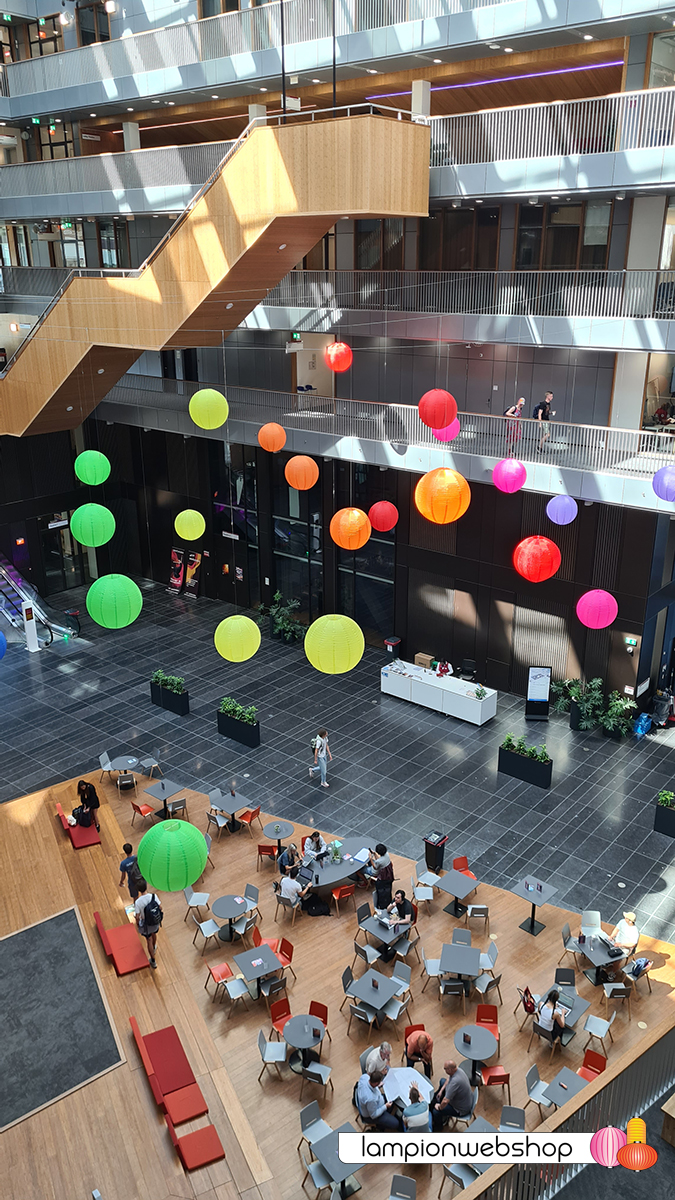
x,y
617,716
480,693
561,695
282,615
231,708
172,683
519,747
543,755
587,694
508,743
666,799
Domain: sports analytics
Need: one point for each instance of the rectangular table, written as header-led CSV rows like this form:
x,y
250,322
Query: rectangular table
x,y
398,1081
253,970
384,935
558,1095
387,988
164,789
542,893
597,952
459,885
480,1125
446,694
579,1005
326,1150
460,960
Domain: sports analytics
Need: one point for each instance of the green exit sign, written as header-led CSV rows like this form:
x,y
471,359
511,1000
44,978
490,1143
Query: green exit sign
x,y
630,641
296,337
6,17
35,120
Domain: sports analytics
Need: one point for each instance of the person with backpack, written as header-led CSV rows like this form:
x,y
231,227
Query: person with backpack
x,y
542,412
322,753
84,813
149,917
129,867
384,875
514,413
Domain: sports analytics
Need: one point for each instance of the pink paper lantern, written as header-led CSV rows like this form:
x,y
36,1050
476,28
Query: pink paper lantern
x,y
597,609
449,433
509,475
605,1143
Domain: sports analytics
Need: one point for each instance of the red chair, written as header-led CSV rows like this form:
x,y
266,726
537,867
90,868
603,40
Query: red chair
x,y
197,1149
280,1012
343,893
78,834
487,1018
261,941
265,852
316,1009
462,864
249,816
495,1077
142,810
592,1066
303,842
284,953
219,973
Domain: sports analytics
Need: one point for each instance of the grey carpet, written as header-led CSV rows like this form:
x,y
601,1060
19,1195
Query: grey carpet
x,y
55,1030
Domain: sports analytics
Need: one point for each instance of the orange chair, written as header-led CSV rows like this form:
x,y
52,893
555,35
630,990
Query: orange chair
x,y
197,1149
487,1018
261,941
142,810
316,1009
343,893
303,842
496,1076
265,852
592,1066
462,864
219,973
284,953
249,816
280,1012
406,1034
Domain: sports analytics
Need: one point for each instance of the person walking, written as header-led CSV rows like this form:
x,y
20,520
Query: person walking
x,y
130,870
321,755
542,412
514,413
93,803
149,917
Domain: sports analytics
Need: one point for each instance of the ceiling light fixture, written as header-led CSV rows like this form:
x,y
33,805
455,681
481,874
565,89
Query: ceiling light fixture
x,y
620,195
282,246
588,37
371,71
215,97
493,46
316,81
92,114
438,61
230,305
130,110
508,49
447,87
171,103
263,89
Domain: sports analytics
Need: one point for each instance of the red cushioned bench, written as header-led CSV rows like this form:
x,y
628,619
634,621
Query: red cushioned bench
x,y
123,946
78,834
182,1104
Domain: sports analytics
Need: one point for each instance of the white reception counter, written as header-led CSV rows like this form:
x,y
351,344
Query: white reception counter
x,y
448,695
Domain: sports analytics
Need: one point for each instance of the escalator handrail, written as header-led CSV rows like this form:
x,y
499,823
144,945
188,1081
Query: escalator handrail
x,y
63,624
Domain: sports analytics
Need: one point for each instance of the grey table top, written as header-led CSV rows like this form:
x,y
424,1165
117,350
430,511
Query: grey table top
x,y
376,997
326,1150
386,936
535,897
255,963
597,952
483,1043
330,874
460,960
579,1006
284,830
299,1032
126,762
480,1125
456,884
164,789
558,1094
228,908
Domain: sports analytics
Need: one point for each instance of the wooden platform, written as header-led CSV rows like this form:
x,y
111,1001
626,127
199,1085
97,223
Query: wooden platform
x,y
109,1135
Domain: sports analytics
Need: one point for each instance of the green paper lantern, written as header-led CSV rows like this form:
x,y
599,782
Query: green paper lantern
x,y
237,638
92,467
189,525
92,525
114,601
172,855
209,409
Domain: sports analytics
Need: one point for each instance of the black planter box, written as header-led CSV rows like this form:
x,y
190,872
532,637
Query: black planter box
x,y
664,820
239,731
575,715
527,769
178,703
615,734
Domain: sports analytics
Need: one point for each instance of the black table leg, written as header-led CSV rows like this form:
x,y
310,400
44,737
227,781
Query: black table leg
x,y
162,814
532,926
233,825
455,909
226,932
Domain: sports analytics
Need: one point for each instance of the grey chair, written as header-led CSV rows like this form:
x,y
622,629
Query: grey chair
x,y
347,982
512,1120
546,1035
407,943
470,1115
208,929
392,1010
461,937
363,1013
288,906
105,765
629,972
215,798
521,1000
618,991
536,1087
126,782
272,1053
432,968
236,990
461,1174
424,876
591,925
595,1027
403,1188
363,913
216,821
195,900
478,912
452,987
178,808
312,1125
272,988
421,893
363,1058
252,898
150,765
368,954
485,984
402,974
243,926
317,1073
489,958
319,1176
209,842
570,944
566,977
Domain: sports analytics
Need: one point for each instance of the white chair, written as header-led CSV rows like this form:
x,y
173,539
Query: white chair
x,y
208,929
312,1124
195,900
105,765
243,926
252,898
272,1053
150,764
591,925
236,990
403,1188
317,1073
479,912
432,967
536,1088
217,821
461,1174
595,1027
424,876
422,894
363,1013
489,958
320,1177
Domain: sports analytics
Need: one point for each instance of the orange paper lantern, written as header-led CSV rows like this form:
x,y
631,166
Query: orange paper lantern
x,y
272,437
338,356
442,496
637,1156
301,472
350,528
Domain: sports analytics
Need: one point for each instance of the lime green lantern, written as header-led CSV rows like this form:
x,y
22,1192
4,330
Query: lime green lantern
x,y
114,601
189,525
334,644
92,525
209,409
92,467
172,855
237,638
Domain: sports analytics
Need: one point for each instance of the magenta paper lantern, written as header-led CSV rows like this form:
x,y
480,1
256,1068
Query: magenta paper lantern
x,y
562,510
597,609
663,483
449,433
605,1143
509,475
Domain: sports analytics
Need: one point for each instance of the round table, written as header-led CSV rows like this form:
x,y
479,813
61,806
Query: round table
x,y
398,1081
228,908
126,762
276,830
483,1045
299,1033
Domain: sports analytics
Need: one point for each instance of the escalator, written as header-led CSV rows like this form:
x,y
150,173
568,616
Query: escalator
x,y
50,623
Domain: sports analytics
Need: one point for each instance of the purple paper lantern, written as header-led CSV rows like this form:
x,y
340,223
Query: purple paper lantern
x,y
562,510
509,475
663,483
449,433
597,609
605,1143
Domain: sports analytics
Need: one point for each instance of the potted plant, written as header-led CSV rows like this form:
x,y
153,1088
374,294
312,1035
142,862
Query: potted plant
x,y
616,720
239,723
664,815
282,620
168,691
583,700
529,763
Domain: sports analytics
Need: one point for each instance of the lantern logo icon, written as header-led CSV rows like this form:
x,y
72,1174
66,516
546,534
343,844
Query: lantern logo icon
x,y
611,1147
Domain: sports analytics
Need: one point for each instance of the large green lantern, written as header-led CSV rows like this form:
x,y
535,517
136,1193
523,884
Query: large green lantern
x,y
114,601
92,525
209,409
92,467
172,855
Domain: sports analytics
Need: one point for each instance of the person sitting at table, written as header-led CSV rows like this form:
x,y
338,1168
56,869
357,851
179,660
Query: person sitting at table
x,y
549,1016
372,1105
379,1059
626,934
289,861
315,845
419,1048
400,910
453,1097
416,1113
291,890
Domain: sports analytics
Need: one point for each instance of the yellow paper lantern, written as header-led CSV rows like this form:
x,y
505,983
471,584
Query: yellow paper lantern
x,y
442,496
189,525
209,409
237,638
334,644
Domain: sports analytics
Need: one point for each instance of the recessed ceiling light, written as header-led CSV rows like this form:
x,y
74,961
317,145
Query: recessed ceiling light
x,y
554,197
156,102
371,71
508,49
263,89
588,37
316,81
438,61
230,305
215,97
479,201
92,114
493,46
171,103
101,371
282,246
130,110
69,408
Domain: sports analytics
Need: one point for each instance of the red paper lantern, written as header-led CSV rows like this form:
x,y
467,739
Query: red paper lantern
x,y
637,1156
272,437
301,472
437,409
536,558
442,496
383,516
338,356
350,528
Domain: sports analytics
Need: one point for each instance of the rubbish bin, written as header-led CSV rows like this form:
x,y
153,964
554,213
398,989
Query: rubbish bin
x,y
434,849
392,644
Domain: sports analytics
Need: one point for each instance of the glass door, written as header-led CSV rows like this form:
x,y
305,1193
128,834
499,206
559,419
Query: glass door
x,y
62,557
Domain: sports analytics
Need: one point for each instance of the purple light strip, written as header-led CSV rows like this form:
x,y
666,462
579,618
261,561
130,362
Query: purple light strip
x,y
448,87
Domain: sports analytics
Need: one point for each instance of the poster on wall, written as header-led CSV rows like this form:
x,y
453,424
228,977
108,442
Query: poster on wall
x,y
538,688
177,571
192,574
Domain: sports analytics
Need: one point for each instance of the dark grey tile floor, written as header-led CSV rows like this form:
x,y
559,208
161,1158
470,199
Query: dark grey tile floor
x,y
398,770
656,1183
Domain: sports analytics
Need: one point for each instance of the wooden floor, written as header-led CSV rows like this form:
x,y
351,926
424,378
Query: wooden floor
x,y
109,1135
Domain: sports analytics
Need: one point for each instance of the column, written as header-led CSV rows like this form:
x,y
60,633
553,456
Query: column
x,y
132,135
420,103
259,112
628,390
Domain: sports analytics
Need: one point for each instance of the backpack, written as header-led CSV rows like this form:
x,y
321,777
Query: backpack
x,y
386,874
315,907
152,913
313,743
82,816
134,874
639,967
535,410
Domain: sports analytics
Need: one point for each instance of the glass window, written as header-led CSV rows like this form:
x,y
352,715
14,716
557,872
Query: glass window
x,y
368,242
429,243
562,236
106,230
56,140
69,250
22,245
45,36
528,242
9,40
486,241
93,24
4,247
457,239
595,240
392,244
662,65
